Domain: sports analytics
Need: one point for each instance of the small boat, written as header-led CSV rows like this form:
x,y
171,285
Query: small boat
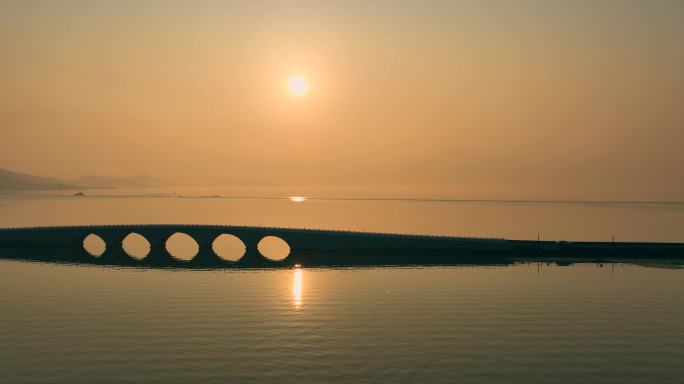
x,y
79,193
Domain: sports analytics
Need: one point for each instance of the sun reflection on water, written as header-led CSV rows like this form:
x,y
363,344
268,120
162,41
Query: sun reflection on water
x,y
297,286
297,199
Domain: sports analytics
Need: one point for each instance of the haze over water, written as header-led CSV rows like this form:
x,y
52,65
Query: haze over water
x,y
526,99
518,119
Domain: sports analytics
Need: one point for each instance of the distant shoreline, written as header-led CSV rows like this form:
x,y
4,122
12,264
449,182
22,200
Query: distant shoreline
x,y
334,198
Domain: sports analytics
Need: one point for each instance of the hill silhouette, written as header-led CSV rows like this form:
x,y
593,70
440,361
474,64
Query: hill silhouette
x,y
17,181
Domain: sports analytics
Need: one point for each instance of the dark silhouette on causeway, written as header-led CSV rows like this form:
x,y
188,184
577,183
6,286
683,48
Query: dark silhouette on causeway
x,y
310,247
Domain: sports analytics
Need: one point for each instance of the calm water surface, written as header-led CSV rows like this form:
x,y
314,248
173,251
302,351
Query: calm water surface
x,y
551,221
526,323
531,323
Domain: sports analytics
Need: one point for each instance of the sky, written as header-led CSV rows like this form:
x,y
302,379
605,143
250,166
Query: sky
x,y
528,99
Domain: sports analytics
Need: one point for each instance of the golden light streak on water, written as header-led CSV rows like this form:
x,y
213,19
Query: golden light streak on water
x,y
297,286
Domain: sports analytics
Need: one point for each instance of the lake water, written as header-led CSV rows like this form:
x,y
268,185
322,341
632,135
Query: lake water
x,y
521,220
611,323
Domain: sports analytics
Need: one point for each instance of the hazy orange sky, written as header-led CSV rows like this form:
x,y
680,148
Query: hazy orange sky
x,y
480,99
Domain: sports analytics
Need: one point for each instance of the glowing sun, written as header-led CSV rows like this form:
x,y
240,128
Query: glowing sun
x,y
297,85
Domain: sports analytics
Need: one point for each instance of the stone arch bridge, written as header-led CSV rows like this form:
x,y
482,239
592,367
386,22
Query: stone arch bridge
x,y
308,247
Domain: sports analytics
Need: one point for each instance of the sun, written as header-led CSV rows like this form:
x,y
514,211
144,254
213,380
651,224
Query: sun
x,y
297,85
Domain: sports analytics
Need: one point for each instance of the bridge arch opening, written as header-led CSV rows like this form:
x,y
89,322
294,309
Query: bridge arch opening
x,y
273,248
182,246
94,245
229,247
136,246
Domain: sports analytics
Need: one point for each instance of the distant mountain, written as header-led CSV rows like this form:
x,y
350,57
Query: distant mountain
x,y
15,181
116,182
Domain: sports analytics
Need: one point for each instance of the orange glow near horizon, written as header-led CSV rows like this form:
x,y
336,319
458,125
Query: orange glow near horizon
x,y
267,97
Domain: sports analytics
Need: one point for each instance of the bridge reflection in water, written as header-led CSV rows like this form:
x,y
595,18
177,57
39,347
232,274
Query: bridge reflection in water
x,y
306,247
